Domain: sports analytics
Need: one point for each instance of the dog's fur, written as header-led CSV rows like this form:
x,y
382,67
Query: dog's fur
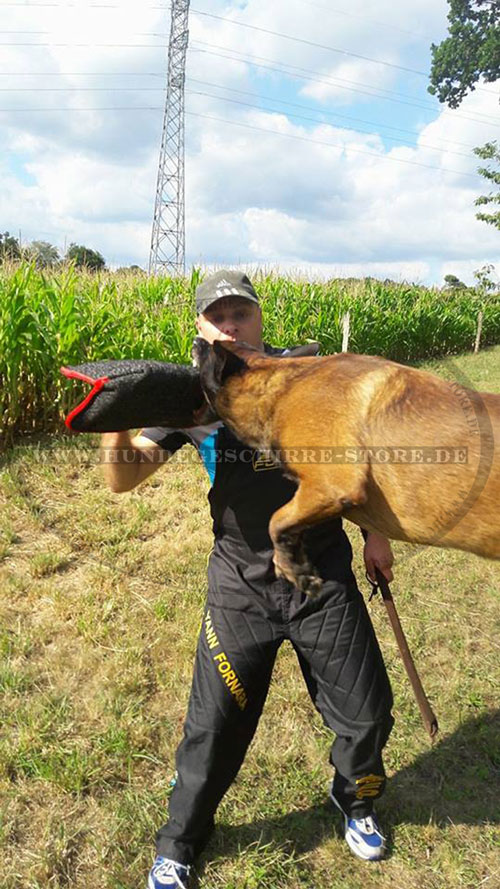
x,y
293,406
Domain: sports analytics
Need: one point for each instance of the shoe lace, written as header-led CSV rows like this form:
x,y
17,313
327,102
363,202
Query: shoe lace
x,y
169,869
367,825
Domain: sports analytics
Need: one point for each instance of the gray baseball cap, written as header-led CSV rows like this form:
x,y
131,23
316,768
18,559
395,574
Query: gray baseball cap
x,y
223,283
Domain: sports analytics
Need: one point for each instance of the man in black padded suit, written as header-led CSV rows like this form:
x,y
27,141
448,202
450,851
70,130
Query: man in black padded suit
x,y
249,612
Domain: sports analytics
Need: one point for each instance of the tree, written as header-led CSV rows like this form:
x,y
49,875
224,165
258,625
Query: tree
x,y
484,280
43,254
126,269
9,247
84,256
471,51
454,283
490,151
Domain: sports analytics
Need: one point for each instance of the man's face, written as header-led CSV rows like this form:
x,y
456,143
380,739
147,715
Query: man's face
x,y
232,318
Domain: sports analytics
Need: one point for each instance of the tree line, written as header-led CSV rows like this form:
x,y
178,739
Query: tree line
x,y
45,255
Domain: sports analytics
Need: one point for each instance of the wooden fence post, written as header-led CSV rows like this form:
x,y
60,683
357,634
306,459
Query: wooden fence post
x,y
478,334
346,326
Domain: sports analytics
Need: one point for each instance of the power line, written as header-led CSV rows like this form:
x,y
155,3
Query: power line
x,y
163,36
125,89
343,52
375,91
107,45
277,34
258,107
396,160
119,6
285,65
353,15
71,108
81,74
329,80
250,127
487,120
251,60
82,89
138,33
167,6
240,24
87,5
153,46
338,83
314,44
322,111
314,120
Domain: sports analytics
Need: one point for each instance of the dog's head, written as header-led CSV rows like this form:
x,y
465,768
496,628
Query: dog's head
x,y
219,361
224,359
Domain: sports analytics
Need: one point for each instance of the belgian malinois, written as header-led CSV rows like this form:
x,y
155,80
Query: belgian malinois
x,y
392,448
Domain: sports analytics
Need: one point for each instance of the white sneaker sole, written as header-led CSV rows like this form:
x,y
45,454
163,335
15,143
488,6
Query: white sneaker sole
x,y
359,852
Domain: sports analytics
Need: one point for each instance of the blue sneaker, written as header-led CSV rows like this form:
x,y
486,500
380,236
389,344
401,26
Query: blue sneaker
x,y
168,874
363,835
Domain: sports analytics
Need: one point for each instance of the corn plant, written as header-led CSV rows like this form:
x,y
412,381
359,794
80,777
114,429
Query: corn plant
x,y
64,316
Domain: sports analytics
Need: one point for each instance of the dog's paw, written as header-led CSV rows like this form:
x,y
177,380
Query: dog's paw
x,y
301,576
279,568
309,584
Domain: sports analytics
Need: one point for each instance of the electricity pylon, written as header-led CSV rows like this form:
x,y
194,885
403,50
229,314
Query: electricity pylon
x,y
168,237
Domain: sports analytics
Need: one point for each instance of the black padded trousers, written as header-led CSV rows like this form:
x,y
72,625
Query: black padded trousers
x,y
249,613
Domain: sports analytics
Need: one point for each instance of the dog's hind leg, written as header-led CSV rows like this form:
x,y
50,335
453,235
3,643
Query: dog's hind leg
x,y
314,502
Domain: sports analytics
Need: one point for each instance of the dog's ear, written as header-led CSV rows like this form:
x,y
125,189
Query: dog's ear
x,y
247,354
216,364
230,358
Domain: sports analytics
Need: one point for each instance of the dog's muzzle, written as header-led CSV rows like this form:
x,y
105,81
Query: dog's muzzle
x,y
199,351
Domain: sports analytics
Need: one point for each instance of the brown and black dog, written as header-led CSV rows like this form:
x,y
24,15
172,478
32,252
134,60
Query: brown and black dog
x,y
392,448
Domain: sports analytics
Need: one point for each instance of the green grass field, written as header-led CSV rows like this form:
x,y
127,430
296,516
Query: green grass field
x,y
101,599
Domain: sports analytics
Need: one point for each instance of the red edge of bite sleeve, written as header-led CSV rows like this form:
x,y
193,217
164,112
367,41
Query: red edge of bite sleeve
x,y
97,386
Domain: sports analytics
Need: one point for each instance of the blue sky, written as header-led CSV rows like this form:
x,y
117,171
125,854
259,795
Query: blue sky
x,y
301,190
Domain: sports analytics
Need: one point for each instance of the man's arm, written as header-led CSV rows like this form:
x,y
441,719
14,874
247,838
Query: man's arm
x,y
128,461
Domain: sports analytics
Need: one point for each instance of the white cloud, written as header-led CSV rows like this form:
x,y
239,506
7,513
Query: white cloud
x,y
315,197
337,82
300,201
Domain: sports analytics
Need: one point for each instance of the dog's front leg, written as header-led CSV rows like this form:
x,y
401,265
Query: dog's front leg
x,y
312,504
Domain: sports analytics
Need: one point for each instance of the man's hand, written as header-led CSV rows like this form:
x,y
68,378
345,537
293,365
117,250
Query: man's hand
x,y
377,553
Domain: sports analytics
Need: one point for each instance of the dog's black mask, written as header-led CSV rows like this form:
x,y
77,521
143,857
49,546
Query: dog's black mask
x,y
215,364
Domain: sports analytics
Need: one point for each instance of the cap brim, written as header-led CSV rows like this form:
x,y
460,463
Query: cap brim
x,y
207,304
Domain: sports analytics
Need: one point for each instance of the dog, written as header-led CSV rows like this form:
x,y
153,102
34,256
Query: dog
x,y
394,449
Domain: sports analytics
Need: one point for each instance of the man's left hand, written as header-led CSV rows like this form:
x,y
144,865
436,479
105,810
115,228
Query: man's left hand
x,y
377,553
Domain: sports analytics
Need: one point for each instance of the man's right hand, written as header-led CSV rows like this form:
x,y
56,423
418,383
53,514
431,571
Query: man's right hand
x,y
127,461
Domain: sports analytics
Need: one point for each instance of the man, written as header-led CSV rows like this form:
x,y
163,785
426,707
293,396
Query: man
x,y
250,612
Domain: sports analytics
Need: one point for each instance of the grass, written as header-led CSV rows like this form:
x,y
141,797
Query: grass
x,y
101,597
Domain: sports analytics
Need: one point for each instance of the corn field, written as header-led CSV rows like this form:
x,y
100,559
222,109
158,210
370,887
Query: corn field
x,y
49,319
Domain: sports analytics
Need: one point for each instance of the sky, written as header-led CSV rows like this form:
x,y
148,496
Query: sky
x,y
312,146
